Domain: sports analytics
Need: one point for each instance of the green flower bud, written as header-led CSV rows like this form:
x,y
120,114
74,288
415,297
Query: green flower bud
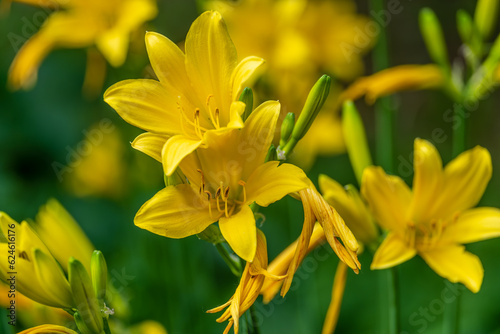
x,y
485,17
433,37
211,234
468,33
176,178
247,98
99,273
84,297
82,327
287,128
271,154
355,139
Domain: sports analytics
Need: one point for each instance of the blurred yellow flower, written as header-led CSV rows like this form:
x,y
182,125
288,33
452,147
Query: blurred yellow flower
x,y
249,288
48,329
80,24
196,93
38,275
102,171
393,80
224,179
436,218
301,40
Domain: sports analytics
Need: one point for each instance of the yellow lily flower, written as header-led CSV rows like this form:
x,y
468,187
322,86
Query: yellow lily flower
x,y
436,218
48,329
79,24
301,40
393,80
224,179
196,91
37,274
248,290
62,235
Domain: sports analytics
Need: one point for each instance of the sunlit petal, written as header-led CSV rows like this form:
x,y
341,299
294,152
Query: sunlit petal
x,y
150,144
240,232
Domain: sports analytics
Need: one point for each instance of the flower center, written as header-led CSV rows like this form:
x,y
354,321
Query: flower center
x,y
221,198
422,236
202,120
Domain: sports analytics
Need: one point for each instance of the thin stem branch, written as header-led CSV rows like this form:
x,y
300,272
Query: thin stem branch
x,y
231,260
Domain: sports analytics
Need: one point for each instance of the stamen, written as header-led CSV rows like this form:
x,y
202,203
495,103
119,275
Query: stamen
x,y
217,125
217,195
202,186
243,184
226,193
411,235
197,122
209,197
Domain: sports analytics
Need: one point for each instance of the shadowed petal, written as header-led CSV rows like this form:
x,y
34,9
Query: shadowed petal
x,y
175,149
392,252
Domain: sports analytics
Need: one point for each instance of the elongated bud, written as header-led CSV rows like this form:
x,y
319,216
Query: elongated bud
x,y
84,297
176,178
468,32
433,37
247,98
99,272
211,234
271,154
314,102
287,128
355,139
485,17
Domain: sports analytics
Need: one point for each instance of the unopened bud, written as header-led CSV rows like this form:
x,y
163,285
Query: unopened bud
x,y
99,273
287,128
485,17
247,98
433,37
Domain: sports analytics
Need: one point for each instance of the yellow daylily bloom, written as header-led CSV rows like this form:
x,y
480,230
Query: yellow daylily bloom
x,y
62,235
301,40
79,24
197,92
102,170
48,329
38,275
248,290
393,80
224,179
437,217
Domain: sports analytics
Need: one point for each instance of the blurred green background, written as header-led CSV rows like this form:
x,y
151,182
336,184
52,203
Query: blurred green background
x,y
176,281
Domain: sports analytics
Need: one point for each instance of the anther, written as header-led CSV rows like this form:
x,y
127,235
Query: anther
x,y
202,186
209,197
217,117
243,184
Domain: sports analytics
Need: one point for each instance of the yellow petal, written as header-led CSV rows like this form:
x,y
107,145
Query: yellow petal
x,y
175,212
150,144
62,234
427,181
456,265
338,288
240,232
473,225
52,279
257,135
113,45
145,104
391,252
48,329
244,75
60,29
270,182
393,80
175,149
167,61
235,120
465,179
388,197
211,58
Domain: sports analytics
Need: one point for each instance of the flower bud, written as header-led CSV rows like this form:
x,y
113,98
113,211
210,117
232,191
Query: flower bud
x,y
485,17
84,297
99,273
287,128
355,139
433,37
247,98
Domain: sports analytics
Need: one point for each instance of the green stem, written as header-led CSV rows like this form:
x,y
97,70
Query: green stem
x,y
106,326
253,318
451,316
231,260
384,115
389,290
458,136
